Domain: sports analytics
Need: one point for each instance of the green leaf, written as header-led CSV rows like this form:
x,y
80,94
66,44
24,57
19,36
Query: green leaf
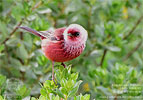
x,y
60,93
30,74
33,98
63,82
12,42
104,90
2,80
28,41
1,47
86,97
114,48
23,91
43,92
16,13
43,98
81,97
22,52
3,28
74,76
63,90
1,98
75,89
49,84
57,98
15,63
15,72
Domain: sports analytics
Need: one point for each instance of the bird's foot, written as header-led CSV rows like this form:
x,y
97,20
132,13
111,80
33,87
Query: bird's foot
x,y
63,65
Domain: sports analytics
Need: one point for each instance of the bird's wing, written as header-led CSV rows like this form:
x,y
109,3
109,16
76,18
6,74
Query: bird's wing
x,y
48,34
59,33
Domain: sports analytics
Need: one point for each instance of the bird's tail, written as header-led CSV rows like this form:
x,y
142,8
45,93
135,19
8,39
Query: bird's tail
x,y
32,31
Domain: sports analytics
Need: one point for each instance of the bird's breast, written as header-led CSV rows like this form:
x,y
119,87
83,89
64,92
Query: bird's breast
x,y
59,51
72,52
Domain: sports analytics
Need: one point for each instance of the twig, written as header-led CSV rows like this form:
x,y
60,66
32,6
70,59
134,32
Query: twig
x,y
37,5
103,57
132,51
13,31
21,35
55,23
135,26
116,97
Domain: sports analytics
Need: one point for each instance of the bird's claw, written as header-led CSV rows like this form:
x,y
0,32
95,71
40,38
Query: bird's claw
x,y
63,65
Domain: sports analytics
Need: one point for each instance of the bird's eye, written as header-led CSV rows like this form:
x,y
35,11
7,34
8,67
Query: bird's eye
x,y
76,34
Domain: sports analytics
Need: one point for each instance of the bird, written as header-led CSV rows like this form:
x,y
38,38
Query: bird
x,y
61,44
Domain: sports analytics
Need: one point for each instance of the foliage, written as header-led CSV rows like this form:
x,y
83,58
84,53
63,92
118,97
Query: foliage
x,y
120,80
115,34
1,98
65,88
12,89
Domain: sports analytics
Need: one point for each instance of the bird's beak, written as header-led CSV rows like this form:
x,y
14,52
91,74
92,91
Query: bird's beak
x,y
69,34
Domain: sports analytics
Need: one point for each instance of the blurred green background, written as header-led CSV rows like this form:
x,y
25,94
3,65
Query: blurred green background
x,y
113,54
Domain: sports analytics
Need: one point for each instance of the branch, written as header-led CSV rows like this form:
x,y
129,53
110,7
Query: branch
x,y
103,57
19,24
135,26
133,50
37,5
13,31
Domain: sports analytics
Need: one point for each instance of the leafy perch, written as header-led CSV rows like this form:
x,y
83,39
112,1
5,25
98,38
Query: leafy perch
x,y
66,88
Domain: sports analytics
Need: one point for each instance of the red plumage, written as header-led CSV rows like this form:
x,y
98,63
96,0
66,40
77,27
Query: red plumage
x,y
56,48
59,51
62,44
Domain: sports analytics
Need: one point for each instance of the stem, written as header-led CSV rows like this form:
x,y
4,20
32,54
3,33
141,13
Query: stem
x,y
55,22
19,24
13,31
103,57
132,51
21,35
36,5
134,27
66,98
116,97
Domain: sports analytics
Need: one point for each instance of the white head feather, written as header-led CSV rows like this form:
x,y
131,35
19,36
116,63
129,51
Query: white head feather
x,y
83,33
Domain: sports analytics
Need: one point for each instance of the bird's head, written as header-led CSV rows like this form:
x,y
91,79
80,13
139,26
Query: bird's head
x,y
75,33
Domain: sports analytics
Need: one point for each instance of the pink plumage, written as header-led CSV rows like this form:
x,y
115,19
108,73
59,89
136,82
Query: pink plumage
x,y
63,44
